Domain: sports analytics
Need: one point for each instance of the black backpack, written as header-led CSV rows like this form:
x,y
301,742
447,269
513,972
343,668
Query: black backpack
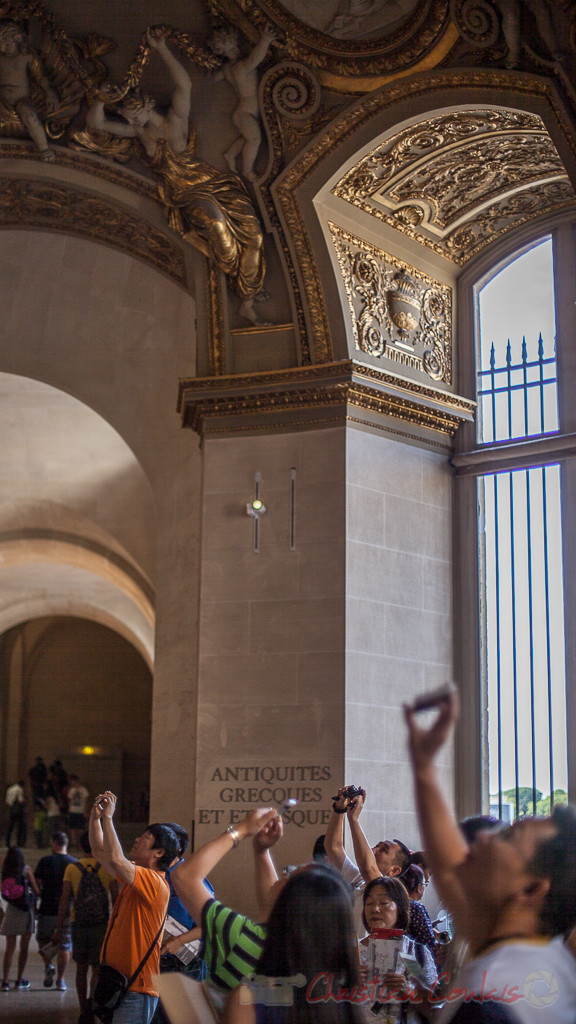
x,y
91,900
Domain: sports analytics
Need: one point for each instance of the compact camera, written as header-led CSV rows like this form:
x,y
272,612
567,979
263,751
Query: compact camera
x,y
351,791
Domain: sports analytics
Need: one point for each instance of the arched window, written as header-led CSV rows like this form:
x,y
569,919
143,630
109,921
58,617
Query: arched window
x,y
519,469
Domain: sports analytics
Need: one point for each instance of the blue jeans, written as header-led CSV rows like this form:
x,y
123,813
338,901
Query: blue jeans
x,y
135,1008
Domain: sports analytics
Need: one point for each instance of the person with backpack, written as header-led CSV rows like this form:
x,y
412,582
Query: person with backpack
x,y
49,874
19,890
88,887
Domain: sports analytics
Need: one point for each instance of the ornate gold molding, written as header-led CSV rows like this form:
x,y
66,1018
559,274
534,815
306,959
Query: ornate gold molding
x,y
456,182
316,396
437,87
216,325
398,313
50,205
290,95
399,47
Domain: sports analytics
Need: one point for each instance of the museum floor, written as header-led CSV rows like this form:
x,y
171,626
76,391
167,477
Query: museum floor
x,y
38,1005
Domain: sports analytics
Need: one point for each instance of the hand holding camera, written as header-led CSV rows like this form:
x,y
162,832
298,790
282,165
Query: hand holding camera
x,y
346,798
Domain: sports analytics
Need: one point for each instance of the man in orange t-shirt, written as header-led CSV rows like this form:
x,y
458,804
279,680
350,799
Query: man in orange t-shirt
x,y
140,908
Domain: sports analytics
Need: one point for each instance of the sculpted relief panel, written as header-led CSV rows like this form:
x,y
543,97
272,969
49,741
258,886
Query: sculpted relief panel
x,y
398,313
457,181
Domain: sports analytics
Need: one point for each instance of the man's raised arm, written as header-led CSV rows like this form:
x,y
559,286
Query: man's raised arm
x,y
365,859
334,838
104,842
444,843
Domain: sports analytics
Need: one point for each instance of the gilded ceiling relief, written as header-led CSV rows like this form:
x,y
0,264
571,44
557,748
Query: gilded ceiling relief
x,y
346,38
398,313
457,181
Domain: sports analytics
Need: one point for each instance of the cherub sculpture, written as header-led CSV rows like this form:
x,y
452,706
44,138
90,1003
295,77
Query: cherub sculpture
x,y
209,208
240,73
18,68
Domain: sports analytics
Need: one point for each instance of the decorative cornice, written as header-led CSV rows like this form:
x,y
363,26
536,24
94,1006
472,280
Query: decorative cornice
x,y
45,204
320,396
83,163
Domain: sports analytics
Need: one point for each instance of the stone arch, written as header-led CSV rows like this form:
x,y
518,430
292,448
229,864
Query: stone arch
x,y
77,542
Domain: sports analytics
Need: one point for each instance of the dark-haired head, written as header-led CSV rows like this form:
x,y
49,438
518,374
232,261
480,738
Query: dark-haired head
x,y
555,859
85,843
60,839
164,839
396,892
181,835
419,858
311,932
319,850
13,864
412,879
470,827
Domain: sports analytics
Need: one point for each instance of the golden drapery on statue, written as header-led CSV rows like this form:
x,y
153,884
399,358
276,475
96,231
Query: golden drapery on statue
x,y
212,210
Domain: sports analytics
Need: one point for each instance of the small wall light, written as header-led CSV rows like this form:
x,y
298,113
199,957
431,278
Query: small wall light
x,y
255,508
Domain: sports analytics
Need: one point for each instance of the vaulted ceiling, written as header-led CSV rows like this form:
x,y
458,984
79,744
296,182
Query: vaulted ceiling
x,y
459,181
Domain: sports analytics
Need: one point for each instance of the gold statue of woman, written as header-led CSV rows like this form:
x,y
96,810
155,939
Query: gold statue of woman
x,y
209,208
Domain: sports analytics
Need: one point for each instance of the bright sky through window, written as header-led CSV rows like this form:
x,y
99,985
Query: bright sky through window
x,y
518,305
521,550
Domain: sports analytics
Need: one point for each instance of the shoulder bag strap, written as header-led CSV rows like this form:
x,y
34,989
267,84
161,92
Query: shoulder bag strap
x,y
142,963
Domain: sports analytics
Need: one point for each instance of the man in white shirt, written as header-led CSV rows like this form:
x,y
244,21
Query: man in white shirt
x,y
389,856
16,801
512,895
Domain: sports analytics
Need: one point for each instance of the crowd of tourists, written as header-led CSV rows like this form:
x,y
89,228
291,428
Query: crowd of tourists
x,y
336,940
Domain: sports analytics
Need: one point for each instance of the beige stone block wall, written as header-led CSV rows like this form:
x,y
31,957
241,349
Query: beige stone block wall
x,y
271,665
398,616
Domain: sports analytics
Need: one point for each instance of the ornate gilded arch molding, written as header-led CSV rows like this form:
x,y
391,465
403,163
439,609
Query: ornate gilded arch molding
x,y
541,117
49,203
351,50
